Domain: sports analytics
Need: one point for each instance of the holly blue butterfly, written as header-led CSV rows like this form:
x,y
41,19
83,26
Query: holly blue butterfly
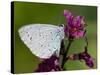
x,y
43,40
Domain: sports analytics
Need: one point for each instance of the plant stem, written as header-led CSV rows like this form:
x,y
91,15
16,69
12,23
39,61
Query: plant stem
x,y
65,54
86,39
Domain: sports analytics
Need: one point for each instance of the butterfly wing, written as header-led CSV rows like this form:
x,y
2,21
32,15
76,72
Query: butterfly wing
x,y
42,39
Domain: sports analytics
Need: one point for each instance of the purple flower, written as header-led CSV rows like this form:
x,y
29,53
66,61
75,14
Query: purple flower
x,y
75,25
87,58
47,65
82,56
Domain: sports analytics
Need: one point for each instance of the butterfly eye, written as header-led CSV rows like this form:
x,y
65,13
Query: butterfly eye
x,y
62,25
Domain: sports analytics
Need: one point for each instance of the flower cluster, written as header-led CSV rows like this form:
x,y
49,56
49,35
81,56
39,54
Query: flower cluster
x,y
75,25
74,29
47,65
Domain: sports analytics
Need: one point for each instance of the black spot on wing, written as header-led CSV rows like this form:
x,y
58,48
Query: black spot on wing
x,y
30,38
51,32
28,35
41,45
40,35
49,49
54,48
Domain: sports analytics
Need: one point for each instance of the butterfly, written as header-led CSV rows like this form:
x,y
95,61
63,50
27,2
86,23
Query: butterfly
x,y
43,40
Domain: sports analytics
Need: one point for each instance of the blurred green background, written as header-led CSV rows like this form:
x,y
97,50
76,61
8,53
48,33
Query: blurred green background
x,y
30,13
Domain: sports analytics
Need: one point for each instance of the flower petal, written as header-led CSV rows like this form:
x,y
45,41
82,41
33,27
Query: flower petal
x,y
67,14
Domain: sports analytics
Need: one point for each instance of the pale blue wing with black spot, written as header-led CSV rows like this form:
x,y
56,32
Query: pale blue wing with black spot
x,y
43,40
